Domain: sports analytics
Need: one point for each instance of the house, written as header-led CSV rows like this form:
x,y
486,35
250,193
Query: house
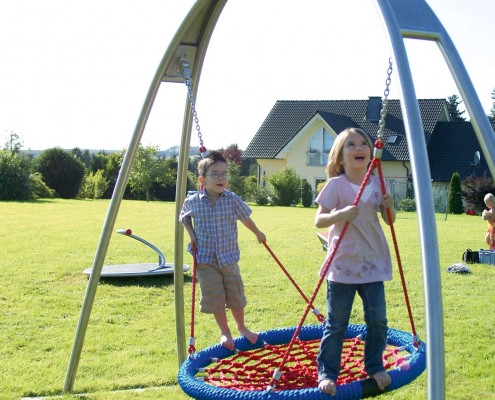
x,y
299,134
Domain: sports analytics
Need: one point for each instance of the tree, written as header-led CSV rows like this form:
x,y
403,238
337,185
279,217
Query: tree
x,y
111,172
233,154
13,143
286,185
97,162
84,156
236,181
491,117
14,176
475,189
147,170
453,103
455,195
62,171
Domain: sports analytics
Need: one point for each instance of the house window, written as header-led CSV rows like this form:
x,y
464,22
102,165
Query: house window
x,y
318,147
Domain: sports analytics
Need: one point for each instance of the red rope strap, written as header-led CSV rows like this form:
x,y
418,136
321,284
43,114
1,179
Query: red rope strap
x,y
316,312
192,340
399,261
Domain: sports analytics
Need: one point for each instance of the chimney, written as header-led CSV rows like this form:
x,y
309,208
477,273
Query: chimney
x,y
373,109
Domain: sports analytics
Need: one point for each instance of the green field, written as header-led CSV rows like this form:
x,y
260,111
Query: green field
x,y
130,342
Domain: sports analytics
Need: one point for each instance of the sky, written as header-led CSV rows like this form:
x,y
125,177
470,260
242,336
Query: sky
x,y
76,73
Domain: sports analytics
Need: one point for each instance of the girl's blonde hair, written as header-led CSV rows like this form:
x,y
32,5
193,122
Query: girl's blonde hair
x,y
334,166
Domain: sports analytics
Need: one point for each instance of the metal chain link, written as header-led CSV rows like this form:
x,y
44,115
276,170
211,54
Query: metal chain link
x,y
187,77
383,112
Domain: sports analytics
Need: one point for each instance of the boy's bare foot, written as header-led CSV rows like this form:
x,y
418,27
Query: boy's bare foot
x,y
327,386
227,342
249,335
382,379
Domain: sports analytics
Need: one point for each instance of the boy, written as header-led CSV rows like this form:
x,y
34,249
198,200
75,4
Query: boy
x,y
215,212
489,217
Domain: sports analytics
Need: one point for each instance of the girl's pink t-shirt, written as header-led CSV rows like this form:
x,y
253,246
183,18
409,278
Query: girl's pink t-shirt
x,y
363,255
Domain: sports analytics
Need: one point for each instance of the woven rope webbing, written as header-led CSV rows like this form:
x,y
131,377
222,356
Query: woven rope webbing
x,y
250,370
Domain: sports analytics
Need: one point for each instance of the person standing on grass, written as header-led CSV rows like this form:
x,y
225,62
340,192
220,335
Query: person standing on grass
x,y
489,217
362,261
215,211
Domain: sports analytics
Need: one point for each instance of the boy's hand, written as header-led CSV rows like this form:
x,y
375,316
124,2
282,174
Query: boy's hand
x,y
486,215
261,237
193,241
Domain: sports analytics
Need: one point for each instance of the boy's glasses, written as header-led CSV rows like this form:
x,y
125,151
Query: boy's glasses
x,y
217,176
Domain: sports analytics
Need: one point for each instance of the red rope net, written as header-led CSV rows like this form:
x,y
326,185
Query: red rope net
x,y
253,370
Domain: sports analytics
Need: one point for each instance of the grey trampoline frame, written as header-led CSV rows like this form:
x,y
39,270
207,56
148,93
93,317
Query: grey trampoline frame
x,y
404,19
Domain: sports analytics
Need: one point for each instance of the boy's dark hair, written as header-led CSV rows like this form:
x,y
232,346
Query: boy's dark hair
x,y
212,158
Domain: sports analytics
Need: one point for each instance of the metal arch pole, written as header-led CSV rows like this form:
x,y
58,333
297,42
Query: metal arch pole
x,y
117,199
211,10
396,15
102,248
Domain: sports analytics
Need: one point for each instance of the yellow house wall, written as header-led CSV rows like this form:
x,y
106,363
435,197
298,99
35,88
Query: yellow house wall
x,y
268,167
294,156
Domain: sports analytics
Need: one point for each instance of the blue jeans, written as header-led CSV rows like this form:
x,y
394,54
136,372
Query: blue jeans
x,y
340,297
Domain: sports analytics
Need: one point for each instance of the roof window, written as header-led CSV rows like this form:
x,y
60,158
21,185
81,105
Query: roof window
x,y
392,139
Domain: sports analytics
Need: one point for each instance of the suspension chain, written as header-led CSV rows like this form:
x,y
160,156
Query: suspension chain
x,y
383,112
187,76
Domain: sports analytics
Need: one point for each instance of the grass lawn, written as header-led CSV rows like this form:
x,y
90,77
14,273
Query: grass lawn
x,y
130,341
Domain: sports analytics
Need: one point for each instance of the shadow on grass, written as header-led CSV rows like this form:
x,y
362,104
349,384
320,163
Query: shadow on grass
x,y
143,281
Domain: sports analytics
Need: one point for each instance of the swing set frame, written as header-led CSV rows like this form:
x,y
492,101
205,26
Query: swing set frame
x,y
412,19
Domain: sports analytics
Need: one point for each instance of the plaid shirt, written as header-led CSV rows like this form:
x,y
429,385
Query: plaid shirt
x,y
215,227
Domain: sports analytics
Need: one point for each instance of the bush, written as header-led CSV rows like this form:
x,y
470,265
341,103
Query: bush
x,y
320,186
62,171
285,184
261,196
94,185
306,195
39,188
455,195
250,186
407,205
14,176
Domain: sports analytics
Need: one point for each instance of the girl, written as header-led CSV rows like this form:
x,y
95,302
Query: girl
x,y
362,261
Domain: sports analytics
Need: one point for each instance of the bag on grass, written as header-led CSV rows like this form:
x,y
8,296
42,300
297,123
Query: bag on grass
x,y
459,268
471,256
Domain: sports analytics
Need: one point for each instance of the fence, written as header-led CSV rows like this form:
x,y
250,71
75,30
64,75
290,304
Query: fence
x,y
405,203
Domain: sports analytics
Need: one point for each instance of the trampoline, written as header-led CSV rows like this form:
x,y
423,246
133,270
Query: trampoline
x,y
137,270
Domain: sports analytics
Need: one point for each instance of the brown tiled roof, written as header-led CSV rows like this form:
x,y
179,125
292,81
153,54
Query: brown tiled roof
x,y
287,117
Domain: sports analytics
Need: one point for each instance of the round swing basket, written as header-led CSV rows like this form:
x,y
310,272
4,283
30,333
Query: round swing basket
x,y
217,373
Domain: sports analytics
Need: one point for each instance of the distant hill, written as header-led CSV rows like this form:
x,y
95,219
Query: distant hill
x,y
174,151
170,152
